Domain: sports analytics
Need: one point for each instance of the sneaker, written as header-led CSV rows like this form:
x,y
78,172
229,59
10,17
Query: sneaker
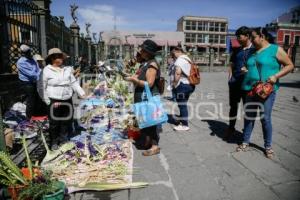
x,y
181,128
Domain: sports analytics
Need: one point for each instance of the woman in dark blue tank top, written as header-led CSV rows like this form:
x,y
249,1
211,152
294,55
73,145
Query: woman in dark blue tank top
x,y
148,72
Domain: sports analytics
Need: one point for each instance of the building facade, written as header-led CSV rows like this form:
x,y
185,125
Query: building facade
x,y
286,28
204,35
124,44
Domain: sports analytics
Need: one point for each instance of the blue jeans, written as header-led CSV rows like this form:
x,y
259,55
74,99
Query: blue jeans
x,y
265,118
183,92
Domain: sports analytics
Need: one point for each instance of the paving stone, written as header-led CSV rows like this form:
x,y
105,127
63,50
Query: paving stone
x,y
199,165
287,143
288,191
265,169
237,181
288,160
195,183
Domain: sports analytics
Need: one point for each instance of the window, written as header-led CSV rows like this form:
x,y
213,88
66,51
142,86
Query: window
x,y
211,26
211,38
214,39
223,27
200,38
194,25
190,38
201,26
188,25
216,27
222,39
286,39
191,25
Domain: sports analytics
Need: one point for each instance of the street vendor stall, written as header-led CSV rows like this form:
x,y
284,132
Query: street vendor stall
x,y
101,157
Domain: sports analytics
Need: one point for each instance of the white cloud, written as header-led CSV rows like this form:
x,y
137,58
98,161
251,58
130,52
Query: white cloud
x,y
101,17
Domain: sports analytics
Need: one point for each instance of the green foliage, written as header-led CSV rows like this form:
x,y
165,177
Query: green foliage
x,y
113,186
10,174
120,86
50,155
29,163
39,187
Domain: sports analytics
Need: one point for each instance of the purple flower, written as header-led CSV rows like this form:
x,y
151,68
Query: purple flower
x,y
95,121
92,150
70,154
79,145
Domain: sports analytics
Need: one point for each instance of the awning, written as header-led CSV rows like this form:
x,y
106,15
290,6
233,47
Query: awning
x,y
161,42
234,43
139,41
173,43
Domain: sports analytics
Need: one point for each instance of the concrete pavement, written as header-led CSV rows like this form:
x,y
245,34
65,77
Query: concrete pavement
x,y
199,165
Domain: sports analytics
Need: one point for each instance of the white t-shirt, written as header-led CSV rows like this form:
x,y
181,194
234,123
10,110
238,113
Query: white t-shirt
x,y
183,62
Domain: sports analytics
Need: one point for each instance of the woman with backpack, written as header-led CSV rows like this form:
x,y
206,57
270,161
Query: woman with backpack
x,y
182,86
148,72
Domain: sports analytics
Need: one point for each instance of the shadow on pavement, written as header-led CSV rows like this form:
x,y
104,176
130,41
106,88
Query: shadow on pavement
x,y
255,146
218,129
172,119
104,195
295,84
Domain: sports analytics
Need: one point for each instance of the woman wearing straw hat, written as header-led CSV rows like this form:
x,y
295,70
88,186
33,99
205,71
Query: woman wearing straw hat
x,y
148,72
59,84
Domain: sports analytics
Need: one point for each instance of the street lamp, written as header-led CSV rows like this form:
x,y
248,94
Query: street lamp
x,y
211,56
127,47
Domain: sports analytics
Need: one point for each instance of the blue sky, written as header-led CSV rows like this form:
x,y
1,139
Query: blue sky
x,y
163,14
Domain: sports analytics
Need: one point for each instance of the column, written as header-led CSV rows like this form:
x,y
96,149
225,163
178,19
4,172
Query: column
x,y
44,13
89,41
96,45
75,29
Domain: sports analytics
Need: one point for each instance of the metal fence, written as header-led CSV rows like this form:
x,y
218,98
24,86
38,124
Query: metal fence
x,y
19,23
61,37
29,22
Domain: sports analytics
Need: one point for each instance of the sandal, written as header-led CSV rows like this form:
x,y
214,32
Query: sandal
x,y
151,152
269,153
242,147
